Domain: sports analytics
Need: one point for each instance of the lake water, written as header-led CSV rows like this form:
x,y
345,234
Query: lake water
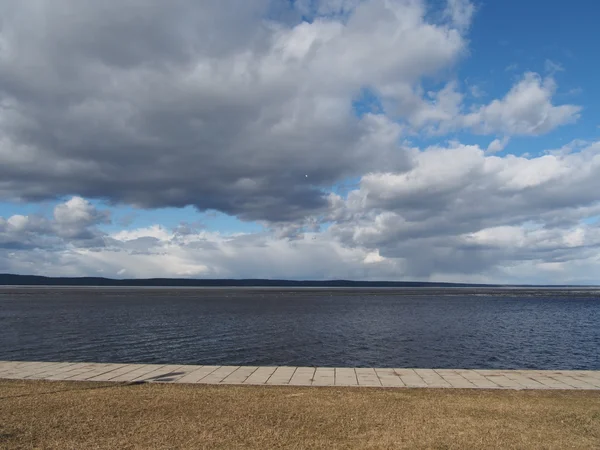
x,y
425,328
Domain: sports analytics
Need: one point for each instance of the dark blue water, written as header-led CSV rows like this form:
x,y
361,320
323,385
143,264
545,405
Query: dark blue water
x,y
428,328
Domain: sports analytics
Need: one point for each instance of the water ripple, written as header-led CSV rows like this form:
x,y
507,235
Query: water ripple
x,y
443,328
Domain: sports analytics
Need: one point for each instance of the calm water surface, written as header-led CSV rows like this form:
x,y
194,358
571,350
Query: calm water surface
x,y
428,328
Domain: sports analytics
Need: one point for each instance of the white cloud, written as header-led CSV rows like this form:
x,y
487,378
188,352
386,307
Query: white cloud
x,y
460,12
476,91
157,232
17,222
73,222
552,67
73,218
497,145
459,211
526,110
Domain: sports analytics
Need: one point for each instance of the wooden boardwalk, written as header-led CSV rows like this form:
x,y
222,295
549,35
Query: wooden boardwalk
x,y
302,376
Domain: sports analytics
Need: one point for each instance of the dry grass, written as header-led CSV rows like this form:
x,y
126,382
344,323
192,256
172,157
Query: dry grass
x,y
63,415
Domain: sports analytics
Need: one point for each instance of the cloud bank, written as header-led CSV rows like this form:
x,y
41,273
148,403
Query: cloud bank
x,y
258,110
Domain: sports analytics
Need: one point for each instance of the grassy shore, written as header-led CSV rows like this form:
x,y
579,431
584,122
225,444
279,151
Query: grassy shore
x,y
77,415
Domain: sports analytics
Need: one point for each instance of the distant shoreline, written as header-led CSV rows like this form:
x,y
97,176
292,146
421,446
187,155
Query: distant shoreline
x,y
13,280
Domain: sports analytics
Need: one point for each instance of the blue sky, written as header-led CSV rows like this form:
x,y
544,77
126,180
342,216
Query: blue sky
x,y
315,135
510,37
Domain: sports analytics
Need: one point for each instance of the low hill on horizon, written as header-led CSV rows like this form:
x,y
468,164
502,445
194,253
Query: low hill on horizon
x,y
7,279
36,280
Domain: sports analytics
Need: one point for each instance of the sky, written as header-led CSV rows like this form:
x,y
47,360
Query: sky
x,y
431,140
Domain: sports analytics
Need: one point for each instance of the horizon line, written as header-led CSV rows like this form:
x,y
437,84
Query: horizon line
x,y
250,282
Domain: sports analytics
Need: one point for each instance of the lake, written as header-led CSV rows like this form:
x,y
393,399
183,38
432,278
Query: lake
x,y
409,327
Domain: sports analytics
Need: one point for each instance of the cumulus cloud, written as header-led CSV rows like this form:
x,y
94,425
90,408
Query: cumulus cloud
x,y
73,223
526,110
74,218
497,145
439,216
255,109
222,106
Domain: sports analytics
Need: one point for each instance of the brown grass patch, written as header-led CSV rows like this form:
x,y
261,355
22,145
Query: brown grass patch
x,y
76,415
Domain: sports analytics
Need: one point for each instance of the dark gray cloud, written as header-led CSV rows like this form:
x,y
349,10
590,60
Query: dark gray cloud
x,y
219,105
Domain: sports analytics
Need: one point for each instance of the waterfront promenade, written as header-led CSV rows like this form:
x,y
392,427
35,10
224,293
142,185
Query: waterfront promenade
x,y
302,376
